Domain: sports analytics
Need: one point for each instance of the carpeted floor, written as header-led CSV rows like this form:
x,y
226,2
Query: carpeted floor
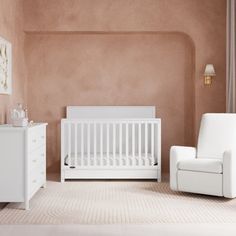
x,y
119,202
120,230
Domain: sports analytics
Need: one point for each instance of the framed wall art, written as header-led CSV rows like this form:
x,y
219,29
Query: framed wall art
x,y
5,67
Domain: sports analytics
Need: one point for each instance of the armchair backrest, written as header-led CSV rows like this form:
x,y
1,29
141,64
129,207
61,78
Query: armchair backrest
x,y
217,134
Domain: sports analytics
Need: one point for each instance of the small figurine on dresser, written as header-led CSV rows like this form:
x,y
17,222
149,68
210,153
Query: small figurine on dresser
x,y
19,116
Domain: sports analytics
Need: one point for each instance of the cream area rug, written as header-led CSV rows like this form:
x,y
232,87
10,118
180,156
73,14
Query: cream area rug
x,y
118,202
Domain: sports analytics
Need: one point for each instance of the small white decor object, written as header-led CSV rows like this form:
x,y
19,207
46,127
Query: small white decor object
x,y
23,162
5,67
19,116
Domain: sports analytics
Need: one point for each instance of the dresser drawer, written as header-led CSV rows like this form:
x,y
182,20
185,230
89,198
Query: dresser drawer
x,y
37,158
36,138
36,179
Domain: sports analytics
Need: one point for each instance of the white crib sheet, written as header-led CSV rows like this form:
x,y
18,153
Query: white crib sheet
x,y
111,160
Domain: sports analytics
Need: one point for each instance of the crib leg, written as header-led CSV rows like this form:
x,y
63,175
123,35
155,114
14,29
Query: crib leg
x,y
26,205
159,178
62,177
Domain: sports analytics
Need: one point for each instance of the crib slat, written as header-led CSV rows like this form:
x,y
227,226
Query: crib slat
x,y
69,144
88,144
127,143
101,144
75,147
146,142
139,144
158,143
114,144
63,139
95,143
82,144
108,126
133,144
120,143
152,143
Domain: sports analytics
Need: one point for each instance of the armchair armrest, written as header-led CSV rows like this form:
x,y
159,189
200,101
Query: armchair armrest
x,y
179,153
229,174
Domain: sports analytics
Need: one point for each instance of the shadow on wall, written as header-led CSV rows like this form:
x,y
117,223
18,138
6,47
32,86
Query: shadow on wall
x,y
131,68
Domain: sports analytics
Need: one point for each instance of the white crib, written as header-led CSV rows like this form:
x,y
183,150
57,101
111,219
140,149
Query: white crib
x,y
110,142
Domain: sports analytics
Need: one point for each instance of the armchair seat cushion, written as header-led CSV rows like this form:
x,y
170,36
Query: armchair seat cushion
x,y
201,165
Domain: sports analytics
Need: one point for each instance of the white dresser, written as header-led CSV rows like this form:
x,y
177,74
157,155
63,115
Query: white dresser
x,y
22,162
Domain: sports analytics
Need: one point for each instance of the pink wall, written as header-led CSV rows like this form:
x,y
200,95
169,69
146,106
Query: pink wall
x,y
11,28
111,69
75,49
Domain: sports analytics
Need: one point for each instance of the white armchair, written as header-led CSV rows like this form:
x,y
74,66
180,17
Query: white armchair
x,y
211,167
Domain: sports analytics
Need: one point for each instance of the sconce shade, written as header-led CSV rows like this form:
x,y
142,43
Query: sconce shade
x,y
209,70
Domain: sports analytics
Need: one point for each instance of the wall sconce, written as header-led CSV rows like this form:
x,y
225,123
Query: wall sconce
x,y
209,73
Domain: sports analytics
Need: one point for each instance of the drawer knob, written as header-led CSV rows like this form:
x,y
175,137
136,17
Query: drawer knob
x,y
34,181
34,160
34,140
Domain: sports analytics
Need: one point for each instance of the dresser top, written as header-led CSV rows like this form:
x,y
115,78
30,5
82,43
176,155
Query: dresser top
x,y
7,126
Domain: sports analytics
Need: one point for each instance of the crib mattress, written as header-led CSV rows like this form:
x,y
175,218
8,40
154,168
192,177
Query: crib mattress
x,y
110,160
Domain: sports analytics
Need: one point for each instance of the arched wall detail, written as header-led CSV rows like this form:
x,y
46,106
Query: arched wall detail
x,y
112,68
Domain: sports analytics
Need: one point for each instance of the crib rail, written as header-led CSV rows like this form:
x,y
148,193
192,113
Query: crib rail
x,y
110,142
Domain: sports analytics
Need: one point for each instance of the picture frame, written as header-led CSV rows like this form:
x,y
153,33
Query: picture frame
x,y
5,66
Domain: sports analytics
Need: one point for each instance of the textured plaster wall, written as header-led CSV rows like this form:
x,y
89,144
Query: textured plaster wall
x,y
135,52
111,69
11,28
